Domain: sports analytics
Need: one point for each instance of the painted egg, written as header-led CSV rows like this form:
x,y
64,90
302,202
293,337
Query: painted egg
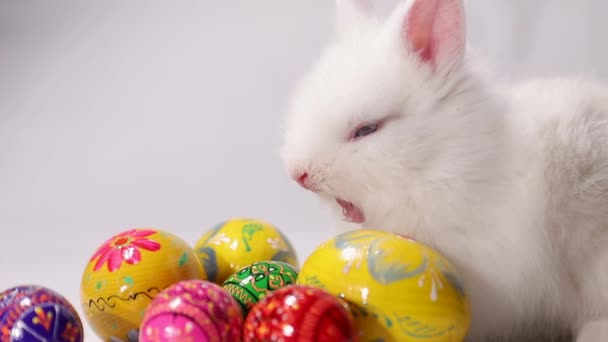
x,y
298,313
127,272
192,311
12,295
398,289
254,282
237,243
32,313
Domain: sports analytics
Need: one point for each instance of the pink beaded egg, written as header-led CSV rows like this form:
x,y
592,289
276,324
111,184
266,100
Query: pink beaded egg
x,y
192,310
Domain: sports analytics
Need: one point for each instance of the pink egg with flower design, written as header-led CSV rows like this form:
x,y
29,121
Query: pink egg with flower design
x,y
194,310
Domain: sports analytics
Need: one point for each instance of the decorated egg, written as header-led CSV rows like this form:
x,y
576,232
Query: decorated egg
x,y
32,313
254,282
194,310
127,272
298,313
237,243
398,289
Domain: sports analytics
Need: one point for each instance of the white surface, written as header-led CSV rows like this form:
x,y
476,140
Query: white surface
x,y
122,114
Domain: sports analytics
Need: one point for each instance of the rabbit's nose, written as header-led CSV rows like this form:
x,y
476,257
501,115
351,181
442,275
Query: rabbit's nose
x,y
304,180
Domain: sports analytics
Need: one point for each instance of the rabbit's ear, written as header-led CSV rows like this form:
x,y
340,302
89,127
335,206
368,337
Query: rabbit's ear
x,y
351,14
433,29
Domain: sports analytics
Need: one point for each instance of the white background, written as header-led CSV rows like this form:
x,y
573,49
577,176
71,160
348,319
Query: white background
x,y
120,114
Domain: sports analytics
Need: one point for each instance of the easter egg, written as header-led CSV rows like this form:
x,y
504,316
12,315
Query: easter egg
x,y
398,289
10,296
252,283
194,310
236,243
127,272
32,313
298,313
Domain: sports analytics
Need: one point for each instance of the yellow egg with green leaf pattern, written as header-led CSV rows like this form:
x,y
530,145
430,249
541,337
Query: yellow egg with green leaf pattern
x,y
399,290
239,242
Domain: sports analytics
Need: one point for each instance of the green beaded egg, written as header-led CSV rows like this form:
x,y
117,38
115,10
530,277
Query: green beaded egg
x,y
252,283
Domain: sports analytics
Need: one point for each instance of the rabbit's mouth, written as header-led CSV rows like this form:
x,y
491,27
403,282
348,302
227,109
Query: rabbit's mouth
x,y
351,212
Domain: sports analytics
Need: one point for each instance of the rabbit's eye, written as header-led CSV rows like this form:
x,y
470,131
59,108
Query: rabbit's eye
x,y
366,130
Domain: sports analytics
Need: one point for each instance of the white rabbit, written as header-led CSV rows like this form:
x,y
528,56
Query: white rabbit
x,y
396,130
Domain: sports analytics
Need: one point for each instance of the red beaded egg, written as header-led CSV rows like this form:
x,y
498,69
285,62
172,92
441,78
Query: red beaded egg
x,y
298,313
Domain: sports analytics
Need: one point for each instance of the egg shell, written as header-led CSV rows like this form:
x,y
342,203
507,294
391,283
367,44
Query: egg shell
x,y
252,283
238,242
204,307
182,328
127,272
299,313
36,313
10,296
398,289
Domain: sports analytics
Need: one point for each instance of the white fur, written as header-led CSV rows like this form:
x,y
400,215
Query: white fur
x,y
509,182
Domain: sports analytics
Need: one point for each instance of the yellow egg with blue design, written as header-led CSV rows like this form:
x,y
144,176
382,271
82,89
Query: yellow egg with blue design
x,y
398,289
126,272
239,242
